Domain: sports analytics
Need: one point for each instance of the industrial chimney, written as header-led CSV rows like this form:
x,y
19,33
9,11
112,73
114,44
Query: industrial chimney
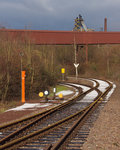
x,y
105,24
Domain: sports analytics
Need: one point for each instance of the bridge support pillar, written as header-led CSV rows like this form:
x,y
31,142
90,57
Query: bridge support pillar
x,y
86,47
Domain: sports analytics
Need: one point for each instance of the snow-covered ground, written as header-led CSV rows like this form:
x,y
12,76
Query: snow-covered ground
x,y
88,98
103,85
84,88
30,106
66,92
110,93
92,95
94,83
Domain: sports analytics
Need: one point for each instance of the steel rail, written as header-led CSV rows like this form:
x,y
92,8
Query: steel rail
x,y
2,141
79,121
46,112
38,114
40,131
6,125
9,144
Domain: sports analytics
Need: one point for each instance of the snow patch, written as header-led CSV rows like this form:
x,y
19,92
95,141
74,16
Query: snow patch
x,y
84,88
103,85
29,106
67,92
110,93
94,83
90,97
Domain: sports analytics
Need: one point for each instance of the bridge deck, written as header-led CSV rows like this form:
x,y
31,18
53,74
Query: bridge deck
x,y
61,37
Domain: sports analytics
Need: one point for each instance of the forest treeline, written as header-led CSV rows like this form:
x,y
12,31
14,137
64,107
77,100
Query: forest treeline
x,y
43,64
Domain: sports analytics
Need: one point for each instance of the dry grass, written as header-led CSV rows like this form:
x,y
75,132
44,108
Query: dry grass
x,y
7,105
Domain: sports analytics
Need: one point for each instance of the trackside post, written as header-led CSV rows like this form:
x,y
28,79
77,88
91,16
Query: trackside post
x,y
23,87
63,72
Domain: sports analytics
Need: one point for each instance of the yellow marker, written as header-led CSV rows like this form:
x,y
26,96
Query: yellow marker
x,y
41,94
63,70
60,95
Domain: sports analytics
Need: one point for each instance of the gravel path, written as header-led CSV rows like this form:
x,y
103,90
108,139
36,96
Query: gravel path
x,y
105,134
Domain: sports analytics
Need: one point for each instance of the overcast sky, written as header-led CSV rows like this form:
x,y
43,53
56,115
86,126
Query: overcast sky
x,y
59,14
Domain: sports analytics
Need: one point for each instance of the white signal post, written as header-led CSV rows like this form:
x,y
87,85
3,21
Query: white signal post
x,y
76,68
46,93
76,64
54,92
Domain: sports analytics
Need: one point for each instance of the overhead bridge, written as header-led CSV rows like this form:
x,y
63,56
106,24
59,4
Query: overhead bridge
x,y
44,37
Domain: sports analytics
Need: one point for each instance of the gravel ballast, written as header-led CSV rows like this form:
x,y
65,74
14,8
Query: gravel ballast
x,y
105,134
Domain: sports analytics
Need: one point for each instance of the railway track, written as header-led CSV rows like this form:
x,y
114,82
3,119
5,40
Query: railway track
x,y
74,140
28,119
52,129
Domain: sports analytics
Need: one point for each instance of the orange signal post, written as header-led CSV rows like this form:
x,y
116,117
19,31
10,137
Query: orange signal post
x,y
23,87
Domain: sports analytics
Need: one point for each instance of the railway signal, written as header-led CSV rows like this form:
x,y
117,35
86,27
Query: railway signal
x,y
41,94
63,72
54,91
60,96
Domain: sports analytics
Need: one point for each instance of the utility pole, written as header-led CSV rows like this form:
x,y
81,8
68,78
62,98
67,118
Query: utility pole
x,y
76,64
